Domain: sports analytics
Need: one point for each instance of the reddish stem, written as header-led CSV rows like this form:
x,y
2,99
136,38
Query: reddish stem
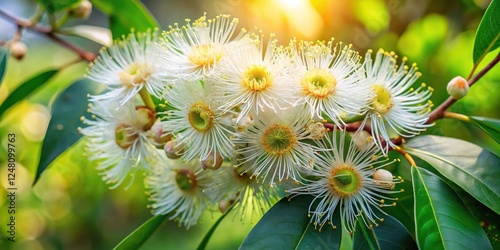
x,y
439,111
49,32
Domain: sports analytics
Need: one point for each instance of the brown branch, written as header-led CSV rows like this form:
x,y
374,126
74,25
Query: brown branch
x,y
439,111
49,32
354,127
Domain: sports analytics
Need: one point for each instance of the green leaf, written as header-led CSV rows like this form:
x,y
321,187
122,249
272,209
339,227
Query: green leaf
x,y
94,33
390,234
489,220
488,125
53,6
469,166
286,226
3,64
488,33
62,131
25,89
441,219
140,235
120,13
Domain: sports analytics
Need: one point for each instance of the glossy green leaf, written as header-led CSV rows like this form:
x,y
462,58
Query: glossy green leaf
x,y
489,220
389,234
120,16
25,89
469,166
441,220
3,64
62,131
488,33
94,33
488,125
286,226
53,6
140,235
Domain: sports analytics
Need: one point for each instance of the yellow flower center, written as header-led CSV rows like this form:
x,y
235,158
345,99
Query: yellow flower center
x,y
125,136
135,74
278,139
256,78
319,83
186,180
205,55
344,180
200,117
382,102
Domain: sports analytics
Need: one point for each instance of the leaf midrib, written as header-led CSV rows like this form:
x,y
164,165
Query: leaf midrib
x,y
432,206
458,167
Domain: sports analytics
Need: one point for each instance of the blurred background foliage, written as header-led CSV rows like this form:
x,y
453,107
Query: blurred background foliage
x,y
71,208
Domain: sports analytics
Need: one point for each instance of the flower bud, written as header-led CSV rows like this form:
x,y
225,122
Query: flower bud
x,y
81,11
160,136
212,162
145,117
383,178
362,139
458,87
225,205
18,49
173,150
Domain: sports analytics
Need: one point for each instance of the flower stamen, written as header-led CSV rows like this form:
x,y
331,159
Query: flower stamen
x,y
319,83
278,139
256,78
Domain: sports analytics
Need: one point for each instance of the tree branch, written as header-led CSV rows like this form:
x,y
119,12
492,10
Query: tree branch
x,y
439,111
49,32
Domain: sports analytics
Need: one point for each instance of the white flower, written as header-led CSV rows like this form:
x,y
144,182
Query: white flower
x,y
117,140
273,145
344,181
178,188
396,107
127,67
328,80
254,79
192,52
197,121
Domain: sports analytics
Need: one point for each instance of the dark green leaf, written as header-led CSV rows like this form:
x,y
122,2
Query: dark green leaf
x,y
206,239
25,89
286,226
120,13
3,64
488,125
390,234
53,6
94,33
489,220
142,233
469,166
441,219
488,33
62,131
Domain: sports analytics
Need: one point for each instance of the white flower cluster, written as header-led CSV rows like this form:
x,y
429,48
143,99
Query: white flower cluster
x,y
214,116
